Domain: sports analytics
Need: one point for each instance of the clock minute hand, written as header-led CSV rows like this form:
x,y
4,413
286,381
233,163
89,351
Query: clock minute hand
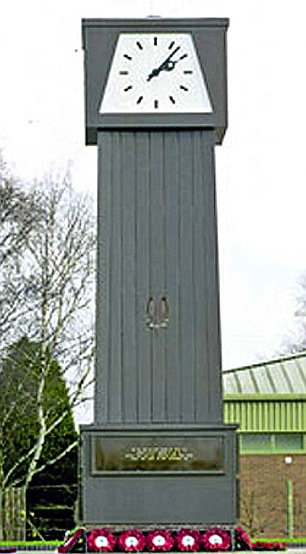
x,y
164,66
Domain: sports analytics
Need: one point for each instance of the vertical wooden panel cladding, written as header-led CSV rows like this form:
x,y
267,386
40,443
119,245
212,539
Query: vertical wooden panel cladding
x,y
198,293
112,153
157,249
186,276
128,290
157,236
172,276
103,328
109,278
143,237
123,343
207,337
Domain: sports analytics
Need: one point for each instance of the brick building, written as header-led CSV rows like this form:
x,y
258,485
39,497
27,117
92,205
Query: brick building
x,y
268,401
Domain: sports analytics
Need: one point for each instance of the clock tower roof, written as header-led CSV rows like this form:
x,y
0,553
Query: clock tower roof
x,y
152,22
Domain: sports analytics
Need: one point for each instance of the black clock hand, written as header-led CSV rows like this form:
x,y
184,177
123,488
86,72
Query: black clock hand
x,y
167,65
164,67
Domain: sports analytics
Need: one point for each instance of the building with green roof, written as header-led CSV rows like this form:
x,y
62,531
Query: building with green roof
x,y
268,402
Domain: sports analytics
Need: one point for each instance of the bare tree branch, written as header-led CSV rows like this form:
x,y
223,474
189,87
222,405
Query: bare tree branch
x,y
47,252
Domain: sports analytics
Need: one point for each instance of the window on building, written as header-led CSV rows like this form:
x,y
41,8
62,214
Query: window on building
x,y
251,443
288,441
255,442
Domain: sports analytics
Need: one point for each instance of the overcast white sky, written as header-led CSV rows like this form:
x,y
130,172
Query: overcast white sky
x,y
261,169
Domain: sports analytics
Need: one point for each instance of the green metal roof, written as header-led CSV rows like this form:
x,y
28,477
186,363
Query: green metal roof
x,y
283,376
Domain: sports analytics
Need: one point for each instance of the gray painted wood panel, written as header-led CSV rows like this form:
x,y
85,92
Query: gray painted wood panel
x,y
115,386
157,238
157,279
186,292
103,297
200,283
214,399
128,290
172,250
143,278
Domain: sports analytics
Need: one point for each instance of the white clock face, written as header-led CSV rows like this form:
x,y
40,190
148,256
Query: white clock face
x,y
154,73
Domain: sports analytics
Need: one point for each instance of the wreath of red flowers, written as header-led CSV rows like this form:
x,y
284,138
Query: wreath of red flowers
x,y
160,540
71,539
132,541
101,540
216,540
242,539
188,540
260,545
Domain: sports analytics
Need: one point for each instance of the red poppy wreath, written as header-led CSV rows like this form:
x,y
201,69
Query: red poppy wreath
x,y
188,540
131,541
101,540
216,540
159,540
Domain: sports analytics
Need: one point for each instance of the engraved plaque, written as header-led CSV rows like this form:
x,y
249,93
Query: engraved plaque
x,y
157,453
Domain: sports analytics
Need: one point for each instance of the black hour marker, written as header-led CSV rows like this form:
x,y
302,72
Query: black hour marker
x,y
155,104
127,57
188,72
171,44
128,88
139,45
184,56
172,99
155,41
140,99
184,88
123,72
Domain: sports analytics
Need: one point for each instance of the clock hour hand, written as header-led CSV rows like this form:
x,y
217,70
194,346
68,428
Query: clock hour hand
x,y
167,65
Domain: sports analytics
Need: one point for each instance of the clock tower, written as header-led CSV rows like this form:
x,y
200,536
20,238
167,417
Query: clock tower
x,y
158,452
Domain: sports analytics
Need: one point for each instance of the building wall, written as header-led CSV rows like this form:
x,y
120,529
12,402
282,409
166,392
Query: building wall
x,y
272,428
263,493
266,413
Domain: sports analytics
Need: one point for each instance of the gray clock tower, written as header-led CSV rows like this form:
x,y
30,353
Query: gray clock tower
x,y
158,452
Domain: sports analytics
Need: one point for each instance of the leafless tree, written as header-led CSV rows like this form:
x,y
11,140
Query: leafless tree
x,y
259,510
20,217
52,306
296,341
